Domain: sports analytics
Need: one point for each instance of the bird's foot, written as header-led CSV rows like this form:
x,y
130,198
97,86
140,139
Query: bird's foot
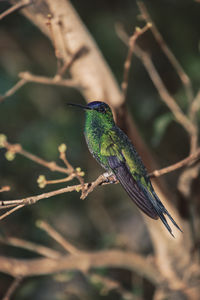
x,y
110,177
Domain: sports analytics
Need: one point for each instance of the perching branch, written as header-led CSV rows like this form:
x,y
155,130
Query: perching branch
x,y
85,188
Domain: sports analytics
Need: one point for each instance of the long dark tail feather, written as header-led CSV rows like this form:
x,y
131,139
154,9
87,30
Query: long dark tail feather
x,y
162,210
159,208
163,219
146,200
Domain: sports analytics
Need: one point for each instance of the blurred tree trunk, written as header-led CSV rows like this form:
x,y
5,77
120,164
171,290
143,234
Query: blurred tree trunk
x,y
97,83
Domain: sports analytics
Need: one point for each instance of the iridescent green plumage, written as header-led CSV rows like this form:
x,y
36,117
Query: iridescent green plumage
x,y
114,151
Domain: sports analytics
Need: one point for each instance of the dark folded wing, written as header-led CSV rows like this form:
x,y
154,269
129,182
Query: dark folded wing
x,y
130,185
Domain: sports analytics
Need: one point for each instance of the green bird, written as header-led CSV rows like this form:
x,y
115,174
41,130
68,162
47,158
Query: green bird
x,y
113,150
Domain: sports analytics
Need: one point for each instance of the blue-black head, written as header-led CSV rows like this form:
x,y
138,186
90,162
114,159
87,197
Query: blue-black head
x,y
97,106
98,111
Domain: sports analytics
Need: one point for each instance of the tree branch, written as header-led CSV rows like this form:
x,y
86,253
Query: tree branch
x,y
21,4
13,90
173,60
16,282
176,166
138,32
39,249
28,77
58,237
83,262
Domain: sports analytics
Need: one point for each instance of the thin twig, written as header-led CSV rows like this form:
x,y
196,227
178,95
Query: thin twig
x,y
28,77
39,249
14,285
99,181
82,51
107,284
87,188
127,64
194,108
187,123
57,237
176,166
17,148
19,203
78,174
183,76
21,4
48,81
57,53
11,211
5,188
56,181
13,90
180,117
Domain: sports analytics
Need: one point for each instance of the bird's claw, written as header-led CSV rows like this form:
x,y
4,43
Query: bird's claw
x,y
110,177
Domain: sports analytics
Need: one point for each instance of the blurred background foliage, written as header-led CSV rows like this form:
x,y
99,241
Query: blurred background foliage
x,y
37,117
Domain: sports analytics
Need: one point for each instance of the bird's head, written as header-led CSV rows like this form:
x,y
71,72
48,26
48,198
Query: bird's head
x,y
96,108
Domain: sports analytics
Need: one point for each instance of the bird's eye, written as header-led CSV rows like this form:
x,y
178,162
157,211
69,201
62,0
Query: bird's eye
x,y
102,110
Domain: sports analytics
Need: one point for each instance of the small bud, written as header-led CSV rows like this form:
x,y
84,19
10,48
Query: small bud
x,y
38,223
3,139
78,169
10,155
78,189
82,174
137,29
41,181
62,148
149,24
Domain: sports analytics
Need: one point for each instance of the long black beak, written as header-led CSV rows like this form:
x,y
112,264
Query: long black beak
x,y
79,105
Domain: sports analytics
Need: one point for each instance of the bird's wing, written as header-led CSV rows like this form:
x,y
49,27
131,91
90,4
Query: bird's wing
x,y
117,163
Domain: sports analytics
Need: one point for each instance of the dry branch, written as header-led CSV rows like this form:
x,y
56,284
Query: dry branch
x,y
36,248
97,83
58,237
165,48
176,166
5,188
180,117
132,40
83,262
28,77
13,90
21,4
14,285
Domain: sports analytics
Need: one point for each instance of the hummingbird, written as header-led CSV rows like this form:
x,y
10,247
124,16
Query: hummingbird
x,y
113,150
